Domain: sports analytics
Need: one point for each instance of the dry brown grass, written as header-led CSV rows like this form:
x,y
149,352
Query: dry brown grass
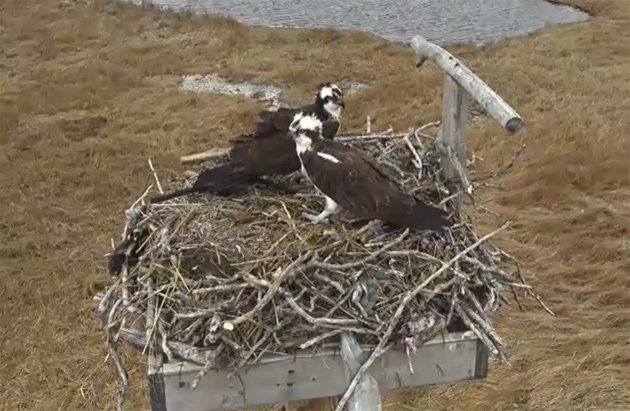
x,y
88,92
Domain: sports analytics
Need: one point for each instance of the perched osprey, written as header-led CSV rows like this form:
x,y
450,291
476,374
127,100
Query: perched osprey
x,y
349,179
270,150
327,107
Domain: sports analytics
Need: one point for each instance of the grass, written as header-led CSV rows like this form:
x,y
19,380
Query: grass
x,y
88,91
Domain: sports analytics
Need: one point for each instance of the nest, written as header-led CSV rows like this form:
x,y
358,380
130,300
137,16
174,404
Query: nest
x,y
221,281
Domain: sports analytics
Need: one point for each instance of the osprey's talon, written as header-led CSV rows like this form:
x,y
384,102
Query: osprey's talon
x,y
314,219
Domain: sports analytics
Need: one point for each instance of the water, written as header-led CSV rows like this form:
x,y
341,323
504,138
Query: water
x,y
440,21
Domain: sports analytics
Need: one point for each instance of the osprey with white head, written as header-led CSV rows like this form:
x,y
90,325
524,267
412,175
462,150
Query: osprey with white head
x,y
330,97
347,178
327,107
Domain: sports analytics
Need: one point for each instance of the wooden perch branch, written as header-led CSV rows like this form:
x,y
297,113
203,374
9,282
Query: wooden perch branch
x,y
206,155
477,88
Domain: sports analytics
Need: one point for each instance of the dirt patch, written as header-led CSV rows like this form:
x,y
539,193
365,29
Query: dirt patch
x,y
268,93
212,83
568,193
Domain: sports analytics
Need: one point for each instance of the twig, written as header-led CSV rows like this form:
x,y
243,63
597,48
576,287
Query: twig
x,y
437,123
164,343
155,177
459,168
122,374
311,319
275,286
541,302
125,291
487,328
487,342
206,313
346,266
221,288
415,155
320,338
104,303
366,137
179,350
210,362
150,317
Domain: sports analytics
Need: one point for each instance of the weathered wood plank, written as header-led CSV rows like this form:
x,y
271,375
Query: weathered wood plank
x,y
477,88
454,128
306,375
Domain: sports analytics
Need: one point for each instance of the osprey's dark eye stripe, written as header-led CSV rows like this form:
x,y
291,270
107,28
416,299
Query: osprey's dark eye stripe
x,y
312,133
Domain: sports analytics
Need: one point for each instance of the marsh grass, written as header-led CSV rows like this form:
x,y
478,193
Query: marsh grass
x,y
67,174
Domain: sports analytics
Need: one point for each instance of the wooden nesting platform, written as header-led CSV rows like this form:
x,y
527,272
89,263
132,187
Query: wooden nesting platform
x,y
279,379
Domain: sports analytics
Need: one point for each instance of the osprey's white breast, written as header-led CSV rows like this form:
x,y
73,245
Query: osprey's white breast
x,y
333,109
303,144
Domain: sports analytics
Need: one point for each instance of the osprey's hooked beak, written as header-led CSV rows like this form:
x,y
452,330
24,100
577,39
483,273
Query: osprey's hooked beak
x,y
338,100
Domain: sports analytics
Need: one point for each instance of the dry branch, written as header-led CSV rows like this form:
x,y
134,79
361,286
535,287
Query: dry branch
x,y
204,156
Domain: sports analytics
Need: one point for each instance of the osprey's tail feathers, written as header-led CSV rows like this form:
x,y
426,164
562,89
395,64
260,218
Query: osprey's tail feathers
x,y
221,180
425,217
225,179
171,195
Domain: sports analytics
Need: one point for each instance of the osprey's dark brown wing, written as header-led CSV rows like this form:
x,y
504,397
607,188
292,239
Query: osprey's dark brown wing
x,y
352,182
251,157
269,154
273,121
329,129
359,186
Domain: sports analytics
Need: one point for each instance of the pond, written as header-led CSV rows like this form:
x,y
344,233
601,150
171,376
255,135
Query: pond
x,y
440,21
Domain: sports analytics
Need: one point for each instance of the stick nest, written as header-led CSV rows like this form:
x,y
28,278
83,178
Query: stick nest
x,y
221,281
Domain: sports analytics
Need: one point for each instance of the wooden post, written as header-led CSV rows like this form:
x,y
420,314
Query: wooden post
x,y
477,88
459,83
366,396
454,127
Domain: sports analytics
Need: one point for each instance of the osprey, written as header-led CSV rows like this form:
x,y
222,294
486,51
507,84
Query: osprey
x,y
270,150
326,107
251,158
349,179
